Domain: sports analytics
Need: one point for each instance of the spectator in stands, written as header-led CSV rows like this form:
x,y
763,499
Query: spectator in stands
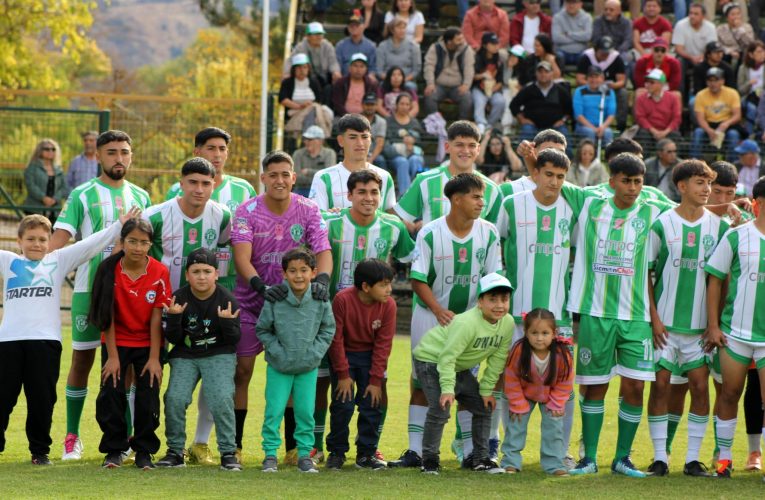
x,y
571,31
374,21
300,94
379,129
402,154
348,92
448,70
614,25
415,22
388,91
321,57
397,51
715,6
658,169
528,23
718,113
543,104
355,43
311,158
650,27
84,166
586,170
434,12
606,57
486,17
692,34
713,58
658,58
749,164
496,159
658,112
488,82
543,51
735,35
594,108
45,181
751,79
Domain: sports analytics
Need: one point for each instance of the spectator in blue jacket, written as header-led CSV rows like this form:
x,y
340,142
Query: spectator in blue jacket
x,y
356,43
594,108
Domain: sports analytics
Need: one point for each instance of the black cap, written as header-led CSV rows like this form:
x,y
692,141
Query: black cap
x,y
201,256
594,70
713,47
715,72
370,98
604,43
489,37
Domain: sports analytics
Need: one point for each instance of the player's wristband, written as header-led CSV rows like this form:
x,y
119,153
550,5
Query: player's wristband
x,y
257,284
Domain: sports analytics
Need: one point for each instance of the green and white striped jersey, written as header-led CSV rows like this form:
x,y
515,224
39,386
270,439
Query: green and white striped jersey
x,y
176,235
425,198
536,242
351,243
94,206
647,193
611,266
680,251
329,188
517,186
741,252
452,266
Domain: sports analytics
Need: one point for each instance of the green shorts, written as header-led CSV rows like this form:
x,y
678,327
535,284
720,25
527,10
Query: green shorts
x,y
608,347
84,335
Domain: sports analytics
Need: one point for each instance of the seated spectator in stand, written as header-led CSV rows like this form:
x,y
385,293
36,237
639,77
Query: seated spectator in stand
x,y
749,165
571,31
606,57
355,43
488,83
543,51
348,92
321,57
379,130
402,155
658,58
650,27
397,51
448,70
415,22
374,21
84,166
388,91
691,36
658,112
496,159
486,17
735,35
751,79
614,25
298,93
586,170
718,113
713,58
543,104
594,107
658,169
45,181
311,158
528,23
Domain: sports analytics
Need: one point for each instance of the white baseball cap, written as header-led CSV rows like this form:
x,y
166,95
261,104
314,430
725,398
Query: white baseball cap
x,y
492,281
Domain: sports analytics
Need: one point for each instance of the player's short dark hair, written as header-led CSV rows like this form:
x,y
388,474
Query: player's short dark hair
x,y
353,121
688,168
208,133
113,136
627,164
550,135
299,253
198,165
363,176
623,145
463,184
450,33
276,156
758,190
554,157
727,175
371,272
463,128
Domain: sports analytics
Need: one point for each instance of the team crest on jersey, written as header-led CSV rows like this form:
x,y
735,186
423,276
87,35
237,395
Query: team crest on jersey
x,y
708,241
691,240
563,227
462,255
278,232
232,205
585,356
546,223
376,324
151,295
210,236
381,245
119,203
81,322
192,236
297,231
638,225
361,242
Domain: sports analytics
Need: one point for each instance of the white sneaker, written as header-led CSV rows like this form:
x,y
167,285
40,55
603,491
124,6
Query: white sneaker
x,y
72,447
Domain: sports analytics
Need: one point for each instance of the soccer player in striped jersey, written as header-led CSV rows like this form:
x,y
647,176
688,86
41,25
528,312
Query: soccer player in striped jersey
x,y
545,139
425,198
91,207
680,244
452,253
328,188
739,332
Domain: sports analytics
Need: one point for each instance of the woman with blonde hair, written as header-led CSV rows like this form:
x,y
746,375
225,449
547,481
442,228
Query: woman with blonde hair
x,y
45,181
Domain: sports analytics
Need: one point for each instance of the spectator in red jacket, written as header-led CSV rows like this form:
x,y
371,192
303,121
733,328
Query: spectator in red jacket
x,y
528,23
659,58
657,112
486,17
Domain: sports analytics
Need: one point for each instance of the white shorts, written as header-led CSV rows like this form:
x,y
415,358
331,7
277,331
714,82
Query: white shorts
x,y
744,352
682,354
713,360
422,321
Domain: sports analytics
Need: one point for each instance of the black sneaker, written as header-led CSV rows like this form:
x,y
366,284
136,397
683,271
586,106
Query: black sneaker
x,y
369,462
467,462
658,468
335,461
112,461
489,466
228,461
409,458
40,459
171,459
696,469
431,466
143,460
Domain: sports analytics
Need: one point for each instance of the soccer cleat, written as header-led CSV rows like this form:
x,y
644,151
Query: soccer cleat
x,y
335,461
696,469
238,454
112,461
658,468
370,462
41,459
488,466
754,461
457,450
128,457
625,467
199,453
270,464
585,466
431,466
467,462
568,462
291,457
379,456
171,459
306,464
143,460
72,447
724,468
494,448
409,458
317,456
228,461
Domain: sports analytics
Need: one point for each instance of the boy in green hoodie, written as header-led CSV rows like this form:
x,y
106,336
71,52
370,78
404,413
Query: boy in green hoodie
x,y
296,333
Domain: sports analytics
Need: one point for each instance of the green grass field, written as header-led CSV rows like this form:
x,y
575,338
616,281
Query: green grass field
x,y
85,479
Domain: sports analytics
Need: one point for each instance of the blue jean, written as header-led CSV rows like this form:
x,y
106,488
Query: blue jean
x,y
528,132
681,9
700,138
568,58
405,170
581,130
498,104
551,447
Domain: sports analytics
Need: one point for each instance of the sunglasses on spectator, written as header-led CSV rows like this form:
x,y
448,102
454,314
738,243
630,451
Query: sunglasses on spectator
x,y
49,148
659,49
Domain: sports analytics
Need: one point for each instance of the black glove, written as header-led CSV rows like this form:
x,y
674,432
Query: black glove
x,y
258,285
276,293
320,287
